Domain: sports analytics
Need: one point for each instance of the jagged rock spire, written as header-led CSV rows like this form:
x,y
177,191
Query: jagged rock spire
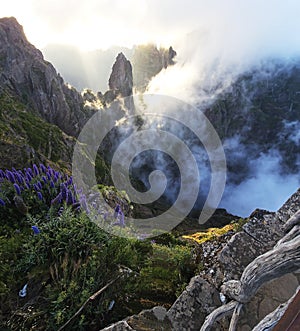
x,y
120,80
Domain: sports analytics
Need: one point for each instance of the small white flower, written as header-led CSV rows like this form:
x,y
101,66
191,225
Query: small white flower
x,y
23,292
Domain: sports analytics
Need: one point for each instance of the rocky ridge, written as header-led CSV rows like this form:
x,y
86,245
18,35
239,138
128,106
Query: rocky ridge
x,y
25,73
225,259
148,61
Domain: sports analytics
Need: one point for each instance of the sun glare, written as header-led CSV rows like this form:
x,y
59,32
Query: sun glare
x,y
87,29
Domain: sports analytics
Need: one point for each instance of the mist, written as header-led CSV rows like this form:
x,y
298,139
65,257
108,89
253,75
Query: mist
x,y
84,69
216,42
228,40
266,186
238,39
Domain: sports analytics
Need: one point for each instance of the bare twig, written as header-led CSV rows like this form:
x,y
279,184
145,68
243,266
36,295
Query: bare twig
x,y
92,297
217,314
235,317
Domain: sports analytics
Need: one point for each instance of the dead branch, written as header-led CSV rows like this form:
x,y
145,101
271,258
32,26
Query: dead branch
x,y
92,297
294,220
217,314
235,317
283,259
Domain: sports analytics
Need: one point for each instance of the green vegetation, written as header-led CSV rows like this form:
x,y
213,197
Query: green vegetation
x,y
23,131
67,258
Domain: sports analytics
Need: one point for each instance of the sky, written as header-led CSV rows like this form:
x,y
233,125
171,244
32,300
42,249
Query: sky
x,y
90,24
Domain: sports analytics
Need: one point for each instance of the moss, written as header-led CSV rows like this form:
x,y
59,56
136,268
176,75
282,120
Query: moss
x,y
209,234
213,233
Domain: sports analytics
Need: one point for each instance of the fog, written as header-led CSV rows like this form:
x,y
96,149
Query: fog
x,y
215,42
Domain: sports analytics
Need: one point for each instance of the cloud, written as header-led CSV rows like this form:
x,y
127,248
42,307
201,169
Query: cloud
x,y
267,188
224,39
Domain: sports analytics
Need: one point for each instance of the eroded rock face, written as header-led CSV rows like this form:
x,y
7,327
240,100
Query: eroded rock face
x,y
226,258
120,80
238,253
148,61
193,305
25,73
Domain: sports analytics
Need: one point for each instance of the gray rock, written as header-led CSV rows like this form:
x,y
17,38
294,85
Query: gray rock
x,y
267,299
238,253
120,80
266,230
193,305
154,319
25,73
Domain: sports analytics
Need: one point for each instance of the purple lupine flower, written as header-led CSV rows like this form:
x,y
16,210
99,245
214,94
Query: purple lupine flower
x,y
28,176
43,168
69,197
19,178
57,199
39,185
52,184
63,190
20,172
121,219
55,177
40,195
35,187
29,170
2,202
17,188
35,229
44,179
50,170
10,176
117,210
84,204
36,170
2,174
48,175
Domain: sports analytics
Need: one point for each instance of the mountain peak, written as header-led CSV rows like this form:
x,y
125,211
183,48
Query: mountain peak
x,y
35,82
120,80
11,31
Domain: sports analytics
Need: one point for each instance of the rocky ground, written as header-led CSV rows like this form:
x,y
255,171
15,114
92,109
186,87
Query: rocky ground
x,y
225,259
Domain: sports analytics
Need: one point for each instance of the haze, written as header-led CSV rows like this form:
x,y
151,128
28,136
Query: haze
x,y
91,24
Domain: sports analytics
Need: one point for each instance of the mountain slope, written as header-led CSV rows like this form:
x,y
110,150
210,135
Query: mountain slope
x,y
26,138
262,111
25,74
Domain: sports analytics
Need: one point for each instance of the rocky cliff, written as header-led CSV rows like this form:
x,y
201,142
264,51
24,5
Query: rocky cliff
x,y
25,74
120,80
120,84
148,61
226,258
261,112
